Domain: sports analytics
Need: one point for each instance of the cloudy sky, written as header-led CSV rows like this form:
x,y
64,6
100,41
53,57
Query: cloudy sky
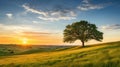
x,y
43,21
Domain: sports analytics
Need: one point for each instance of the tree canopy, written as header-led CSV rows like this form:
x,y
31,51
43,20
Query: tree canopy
x,y
83,31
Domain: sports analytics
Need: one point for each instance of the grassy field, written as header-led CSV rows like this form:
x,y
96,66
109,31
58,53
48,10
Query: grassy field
x,y
99,55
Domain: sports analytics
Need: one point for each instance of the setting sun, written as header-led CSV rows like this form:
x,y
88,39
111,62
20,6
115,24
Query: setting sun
x,y
24,41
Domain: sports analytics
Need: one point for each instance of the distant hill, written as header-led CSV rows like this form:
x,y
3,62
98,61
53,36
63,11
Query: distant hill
x,y
12,49
99,55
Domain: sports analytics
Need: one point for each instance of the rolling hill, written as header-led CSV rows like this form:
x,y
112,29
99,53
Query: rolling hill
x,y
99,55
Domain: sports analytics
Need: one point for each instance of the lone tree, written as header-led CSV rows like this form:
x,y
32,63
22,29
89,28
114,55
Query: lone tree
x,y
83,31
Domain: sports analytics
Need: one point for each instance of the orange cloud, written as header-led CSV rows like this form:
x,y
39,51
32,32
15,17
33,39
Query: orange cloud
x,y
38,33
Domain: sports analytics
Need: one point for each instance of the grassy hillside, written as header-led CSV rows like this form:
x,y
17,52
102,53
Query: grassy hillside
x,y
10,49
101,55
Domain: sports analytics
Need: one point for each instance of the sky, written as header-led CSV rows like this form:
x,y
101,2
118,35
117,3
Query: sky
x,y
42,21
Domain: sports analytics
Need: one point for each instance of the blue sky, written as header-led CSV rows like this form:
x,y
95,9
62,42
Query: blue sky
x,y
51,16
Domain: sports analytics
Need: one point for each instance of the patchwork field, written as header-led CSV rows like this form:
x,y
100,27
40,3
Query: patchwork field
x,y
99,55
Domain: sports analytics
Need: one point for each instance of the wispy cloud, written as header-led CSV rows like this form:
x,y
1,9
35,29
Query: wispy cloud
x,y
111,27
87,5
9,15
34,11
13,29
35,22
53,15
56,19
37,33
63,13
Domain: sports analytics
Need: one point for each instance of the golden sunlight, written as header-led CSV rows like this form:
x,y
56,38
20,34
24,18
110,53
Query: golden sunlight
x,y
24,41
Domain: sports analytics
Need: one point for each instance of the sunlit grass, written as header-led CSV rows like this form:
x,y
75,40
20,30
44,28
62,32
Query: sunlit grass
x,y
104,55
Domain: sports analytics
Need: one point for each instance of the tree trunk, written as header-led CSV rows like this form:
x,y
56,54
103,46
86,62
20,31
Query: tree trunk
x,y
83,44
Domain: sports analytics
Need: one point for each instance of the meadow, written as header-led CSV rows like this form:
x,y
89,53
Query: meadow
x,y
98,55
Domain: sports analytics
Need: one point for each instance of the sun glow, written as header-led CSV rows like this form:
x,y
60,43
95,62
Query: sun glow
x,y
24,41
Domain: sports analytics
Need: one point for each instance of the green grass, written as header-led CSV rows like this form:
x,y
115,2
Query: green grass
x,y
6,50
100,55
